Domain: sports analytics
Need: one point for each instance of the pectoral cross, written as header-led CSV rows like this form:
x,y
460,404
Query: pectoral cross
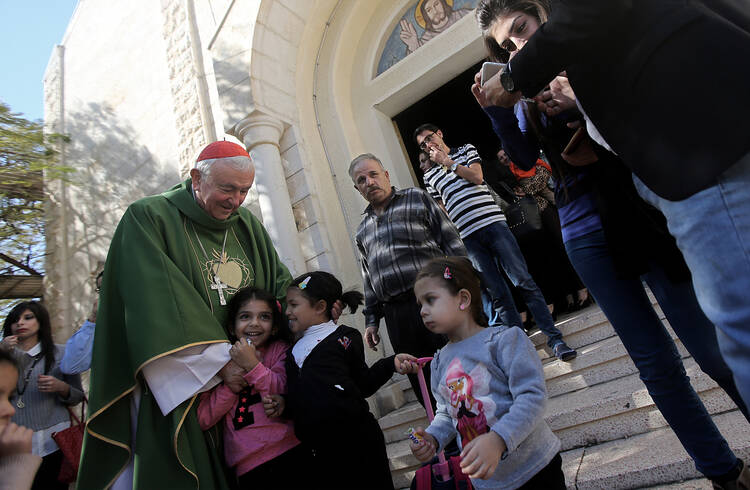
x,y
217,284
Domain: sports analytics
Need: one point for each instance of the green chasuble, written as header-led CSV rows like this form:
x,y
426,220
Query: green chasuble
x,y
156,299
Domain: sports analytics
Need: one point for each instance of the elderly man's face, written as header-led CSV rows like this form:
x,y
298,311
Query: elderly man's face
x,y
372,181
222,193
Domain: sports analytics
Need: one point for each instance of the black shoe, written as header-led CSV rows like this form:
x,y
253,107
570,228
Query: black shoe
x,y
740,482
564,353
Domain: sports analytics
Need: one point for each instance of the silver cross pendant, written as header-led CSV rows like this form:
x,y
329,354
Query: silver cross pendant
x,y
218,285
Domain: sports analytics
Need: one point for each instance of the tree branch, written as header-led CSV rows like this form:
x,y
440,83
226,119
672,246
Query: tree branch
x,y
20,265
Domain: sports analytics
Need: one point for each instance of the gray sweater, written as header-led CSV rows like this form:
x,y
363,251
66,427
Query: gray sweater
x,y
493,381
42,410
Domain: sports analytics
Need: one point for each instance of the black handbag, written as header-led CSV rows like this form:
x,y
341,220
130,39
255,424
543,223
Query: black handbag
x,y
523,216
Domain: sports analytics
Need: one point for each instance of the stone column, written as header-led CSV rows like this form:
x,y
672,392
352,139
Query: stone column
x,y
261,134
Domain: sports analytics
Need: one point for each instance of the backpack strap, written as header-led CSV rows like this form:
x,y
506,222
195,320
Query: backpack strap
x,y
458,475
424,478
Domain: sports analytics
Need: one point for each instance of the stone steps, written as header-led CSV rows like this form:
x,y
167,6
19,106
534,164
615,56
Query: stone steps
x,y
621,408
647,460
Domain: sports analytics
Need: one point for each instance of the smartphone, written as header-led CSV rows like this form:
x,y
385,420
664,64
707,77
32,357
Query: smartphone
x,y
490,69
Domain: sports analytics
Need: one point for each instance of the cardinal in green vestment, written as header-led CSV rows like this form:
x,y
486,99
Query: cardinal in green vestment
x,y
174,262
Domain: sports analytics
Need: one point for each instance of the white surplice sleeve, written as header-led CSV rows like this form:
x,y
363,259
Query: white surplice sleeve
x,y
178,376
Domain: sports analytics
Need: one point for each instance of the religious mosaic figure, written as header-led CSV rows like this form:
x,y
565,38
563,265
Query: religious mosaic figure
x,y
421,23
434,16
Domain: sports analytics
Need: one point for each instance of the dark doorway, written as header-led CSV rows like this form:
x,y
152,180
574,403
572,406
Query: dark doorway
x,y
454,110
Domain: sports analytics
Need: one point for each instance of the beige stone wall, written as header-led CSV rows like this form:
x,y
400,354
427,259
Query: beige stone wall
x,y
124,143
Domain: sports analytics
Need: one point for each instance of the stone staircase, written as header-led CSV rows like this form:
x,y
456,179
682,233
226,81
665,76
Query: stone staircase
x,y
613,437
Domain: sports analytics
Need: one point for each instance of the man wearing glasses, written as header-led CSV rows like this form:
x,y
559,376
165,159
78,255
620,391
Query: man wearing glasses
x,y
456,181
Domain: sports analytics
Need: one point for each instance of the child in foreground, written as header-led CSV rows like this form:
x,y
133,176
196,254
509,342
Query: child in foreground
x,y
327,383
17,464
260,450
489,387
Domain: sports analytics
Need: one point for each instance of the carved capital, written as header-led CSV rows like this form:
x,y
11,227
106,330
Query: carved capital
x,y
259,128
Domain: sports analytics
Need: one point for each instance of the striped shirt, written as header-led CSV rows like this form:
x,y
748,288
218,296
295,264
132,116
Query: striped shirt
x,y
470,206
396,245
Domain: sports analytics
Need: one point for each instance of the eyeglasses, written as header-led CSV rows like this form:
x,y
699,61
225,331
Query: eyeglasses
x,y
427,139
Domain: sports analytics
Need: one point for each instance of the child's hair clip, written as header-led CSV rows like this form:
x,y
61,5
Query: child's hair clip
x,y
447,274
278,305
303,284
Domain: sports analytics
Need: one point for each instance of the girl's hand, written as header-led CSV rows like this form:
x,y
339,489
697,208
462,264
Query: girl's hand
x,y
50,384
15,439
9,342
244,355
405,364
425,451
480,457
273,405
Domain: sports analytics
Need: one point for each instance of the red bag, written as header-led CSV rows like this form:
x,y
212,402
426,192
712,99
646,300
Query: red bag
x,y
70,442
440,475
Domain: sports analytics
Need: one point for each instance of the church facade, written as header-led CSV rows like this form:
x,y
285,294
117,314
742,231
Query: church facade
x,y
305,85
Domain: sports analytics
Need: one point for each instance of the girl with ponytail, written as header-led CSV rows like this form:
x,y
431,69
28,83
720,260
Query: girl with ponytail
x,y
327,386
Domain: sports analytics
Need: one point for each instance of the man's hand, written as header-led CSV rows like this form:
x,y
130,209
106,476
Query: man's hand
x,y
406,364
408,35
336,310
425,451
480,456
244,354
231,373
559,97
371,337
15,439
273,405
50,384
9,342
439,156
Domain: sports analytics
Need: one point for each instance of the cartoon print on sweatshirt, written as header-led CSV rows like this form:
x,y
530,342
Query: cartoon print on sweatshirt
x,y
469,399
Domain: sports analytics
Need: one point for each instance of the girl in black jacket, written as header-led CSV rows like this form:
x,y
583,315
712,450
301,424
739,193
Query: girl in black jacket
x,y
327,383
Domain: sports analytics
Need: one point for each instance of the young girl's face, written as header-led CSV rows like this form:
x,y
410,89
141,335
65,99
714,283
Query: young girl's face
x,y
254,321
301,312
8,381
441,309
26,327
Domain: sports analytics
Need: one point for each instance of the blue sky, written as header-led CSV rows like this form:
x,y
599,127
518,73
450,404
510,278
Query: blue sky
x,y
30,31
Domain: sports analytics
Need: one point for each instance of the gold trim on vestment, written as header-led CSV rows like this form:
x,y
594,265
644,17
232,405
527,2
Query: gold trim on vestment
x,y
129,390
177,434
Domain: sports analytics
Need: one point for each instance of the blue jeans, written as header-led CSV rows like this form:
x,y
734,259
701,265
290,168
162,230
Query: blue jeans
x,y
629,310
712,228
496,240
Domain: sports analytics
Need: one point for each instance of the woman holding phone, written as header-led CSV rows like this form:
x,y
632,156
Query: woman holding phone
x,y
614,239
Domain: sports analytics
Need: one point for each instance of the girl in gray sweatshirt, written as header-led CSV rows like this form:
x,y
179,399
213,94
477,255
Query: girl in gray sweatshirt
x,y
489,387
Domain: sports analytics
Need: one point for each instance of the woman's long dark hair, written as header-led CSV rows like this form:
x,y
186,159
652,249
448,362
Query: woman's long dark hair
x,y
324,286
45,328
278,320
